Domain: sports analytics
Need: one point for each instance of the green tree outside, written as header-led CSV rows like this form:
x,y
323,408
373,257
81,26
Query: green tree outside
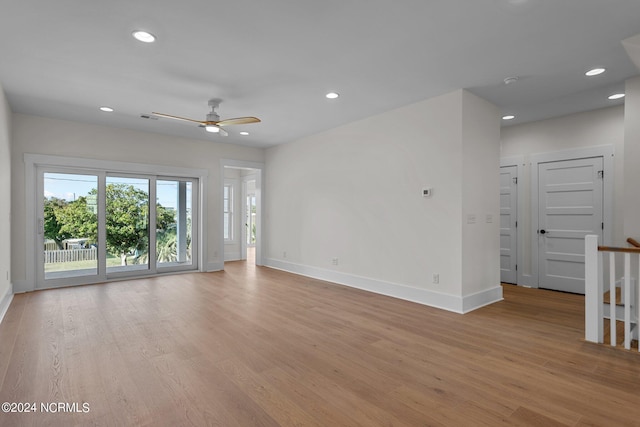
x,y
127,221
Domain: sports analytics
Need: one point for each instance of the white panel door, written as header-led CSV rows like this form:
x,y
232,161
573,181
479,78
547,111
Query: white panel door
x,y
570,203
508,218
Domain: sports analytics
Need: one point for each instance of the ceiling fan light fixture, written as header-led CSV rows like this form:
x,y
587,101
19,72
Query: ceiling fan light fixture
x,y
212,128
144,36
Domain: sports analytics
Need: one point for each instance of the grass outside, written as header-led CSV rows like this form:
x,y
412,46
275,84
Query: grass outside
x,y
81,265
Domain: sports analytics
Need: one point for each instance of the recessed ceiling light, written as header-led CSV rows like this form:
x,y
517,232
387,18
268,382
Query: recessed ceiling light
x,y
106,109
594,72
243,133
508,117
616,96
332,95
144,36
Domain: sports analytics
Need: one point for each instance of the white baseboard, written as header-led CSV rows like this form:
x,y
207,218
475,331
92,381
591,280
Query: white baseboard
x,y
232,256
215,266
422,296
482,298
526,280
21,286
5,302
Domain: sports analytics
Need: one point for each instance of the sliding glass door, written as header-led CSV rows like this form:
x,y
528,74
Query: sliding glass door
x,y
127,224
69,225
94,226
174,223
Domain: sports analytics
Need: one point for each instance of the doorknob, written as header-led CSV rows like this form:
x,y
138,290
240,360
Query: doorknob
x,y
543,231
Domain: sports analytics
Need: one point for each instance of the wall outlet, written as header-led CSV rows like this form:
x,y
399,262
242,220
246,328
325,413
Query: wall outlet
x,y
284,254
334,261
436,279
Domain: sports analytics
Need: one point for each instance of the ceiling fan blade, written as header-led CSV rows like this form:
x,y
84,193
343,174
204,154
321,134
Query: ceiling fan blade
x,y
223,132
238,121
184,119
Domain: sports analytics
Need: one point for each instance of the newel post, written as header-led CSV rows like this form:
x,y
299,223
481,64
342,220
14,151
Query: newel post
x,y
593,290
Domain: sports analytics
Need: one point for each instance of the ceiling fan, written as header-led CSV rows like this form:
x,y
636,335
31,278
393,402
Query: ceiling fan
x,y
213,123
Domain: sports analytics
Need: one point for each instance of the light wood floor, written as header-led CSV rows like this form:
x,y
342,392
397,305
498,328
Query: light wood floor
x,y
258,347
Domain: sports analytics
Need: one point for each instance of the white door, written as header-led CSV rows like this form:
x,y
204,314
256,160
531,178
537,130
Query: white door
x,y
508,218
570,203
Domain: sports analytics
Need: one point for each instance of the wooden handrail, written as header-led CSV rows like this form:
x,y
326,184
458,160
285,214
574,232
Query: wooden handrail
x,y
614,249
633,242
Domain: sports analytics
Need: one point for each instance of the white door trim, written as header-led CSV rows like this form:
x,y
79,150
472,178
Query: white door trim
x,y
518,161
604,151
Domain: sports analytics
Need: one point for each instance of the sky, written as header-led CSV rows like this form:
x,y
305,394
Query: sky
x,y
71,186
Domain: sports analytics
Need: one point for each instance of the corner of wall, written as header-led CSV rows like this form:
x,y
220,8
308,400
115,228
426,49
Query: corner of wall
x,y
5,302
6,288
480,299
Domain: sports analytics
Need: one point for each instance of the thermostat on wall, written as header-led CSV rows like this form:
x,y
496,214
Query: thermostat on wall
x,y
427,192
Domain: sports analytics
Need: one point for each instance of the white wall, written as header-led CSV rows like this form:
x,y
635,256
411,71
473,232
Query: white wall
x,y
589,129
5,205
39,135
355,193
631,205
480,194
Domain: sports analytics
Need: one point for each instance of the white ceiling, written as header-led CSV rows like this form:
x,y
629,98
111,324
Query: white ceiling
x,y
276,59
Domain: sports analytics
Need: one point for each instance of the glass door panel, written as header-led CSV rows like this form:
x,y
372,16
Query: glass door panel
x,y
127,224
174,223
69,225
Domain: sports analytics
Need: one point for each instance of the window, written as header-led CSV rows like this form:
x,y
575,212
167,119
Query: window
x,y
228,211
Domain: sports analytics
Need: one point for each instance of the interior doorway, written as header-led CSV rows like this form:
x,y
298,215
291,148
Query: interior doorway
x,y
242,211
249,214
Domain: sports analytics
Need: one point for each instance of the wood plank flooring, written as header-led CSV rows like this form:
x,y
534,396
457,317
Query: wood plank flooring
x,y
259,347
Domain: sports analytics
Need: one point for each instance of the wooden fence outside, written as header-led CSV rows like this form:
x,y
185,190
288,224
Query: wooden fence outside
x,y
70,255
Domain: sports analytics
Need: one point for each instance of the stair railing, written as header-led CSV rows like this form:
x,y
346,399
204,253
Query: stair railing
x,y
596,310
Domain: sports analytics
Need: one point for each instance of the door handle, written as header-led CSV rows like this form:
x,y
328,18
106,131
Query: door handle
x,y
543,231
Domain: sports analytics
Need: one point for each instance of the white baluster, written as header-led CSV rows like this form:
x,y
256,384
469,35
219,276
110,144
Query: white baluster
x,y
627,301
593,290
612,298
